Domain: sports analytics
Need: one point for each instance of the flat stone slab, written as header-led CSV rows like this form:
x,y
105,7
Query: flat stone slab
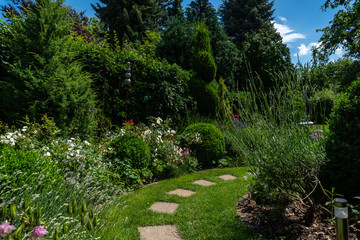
x,y
164,207
181,192
227,177
164,232
203,182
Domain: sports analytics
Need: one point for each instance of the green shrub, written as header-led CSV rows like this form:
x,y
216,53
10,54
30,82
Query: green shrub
x,y
343,144
45,77
321,104
23,166
212,145
130,152
204,66
207,98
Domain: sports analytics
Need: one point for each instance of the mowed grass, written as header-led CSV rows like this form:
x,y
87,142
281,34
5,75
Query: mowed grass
x,y
208,214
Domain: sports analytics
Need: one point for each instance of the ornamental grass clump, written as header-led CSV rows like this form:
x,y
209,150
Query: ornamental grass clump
x,y
280,151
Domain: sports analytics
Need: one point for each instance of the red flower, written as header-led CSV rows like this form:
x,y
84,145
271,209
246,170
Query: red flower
x,y
236,116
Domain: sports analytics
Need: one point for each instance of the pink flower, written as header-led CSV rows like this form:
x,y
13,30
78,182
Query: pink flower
x,y
38,232
6,228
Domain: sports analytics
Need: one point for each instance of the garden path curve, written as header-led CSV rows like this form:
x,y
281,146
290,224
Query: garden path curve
x,y
170,232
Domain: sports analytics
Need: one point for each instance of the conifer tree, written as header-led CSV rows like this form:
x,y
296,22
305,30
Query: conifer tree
x,y
205,72
241,17
129,19
43,76
249,24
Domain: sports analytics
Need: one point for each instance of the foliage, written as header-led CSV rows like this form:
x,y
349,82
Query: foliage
x,y
128,20
28,161
321,104
264,56
245,17
203,61
212,145
45,79
167,159
281,153
342,145
249,25
129,152
343,29
224,109
52,173
176,42
165,86
206,96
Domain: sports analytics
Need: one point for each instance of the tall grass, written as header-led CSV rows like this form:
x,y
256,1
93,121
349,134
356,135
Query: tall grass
x,y
280,151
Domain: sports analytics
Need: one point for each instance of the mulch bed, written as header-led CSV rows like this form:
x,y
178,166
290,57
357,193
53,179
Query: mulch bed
x,y
273,223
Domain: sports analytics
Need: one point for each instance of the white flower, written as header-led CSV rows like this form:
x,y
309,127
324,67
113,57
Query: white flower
x,y
87,143
35,131
173,132
47,154
159,120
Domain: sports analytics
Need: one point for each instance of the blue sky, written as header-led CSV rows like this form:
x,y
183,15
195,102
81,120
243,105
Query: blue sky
x,y
296,21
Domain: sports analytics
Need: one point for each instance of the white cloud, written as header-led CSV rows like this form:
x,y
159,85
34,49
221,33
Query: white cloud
x,y
339,52
305,50
282,19
287,33
293,37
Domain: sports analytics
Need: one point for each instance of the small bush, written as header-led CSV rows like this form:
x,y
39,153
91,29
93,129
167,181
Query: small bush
x,y
212,145
321,104
132,151
19,167
343,144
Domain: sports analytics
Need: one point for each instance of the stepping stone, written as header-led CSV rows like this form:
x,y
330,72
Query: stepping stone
x,y
203,182
164,207
181,192
164,232
227,177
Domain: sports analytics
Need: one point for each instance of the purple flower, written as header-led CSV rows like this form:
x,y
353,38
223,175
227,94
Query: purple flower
x,y
89,111
185,152
6,228
38,232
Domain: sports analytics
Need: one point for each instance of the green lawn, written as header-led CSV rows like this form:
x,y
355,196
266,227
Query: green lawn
x,y
208,214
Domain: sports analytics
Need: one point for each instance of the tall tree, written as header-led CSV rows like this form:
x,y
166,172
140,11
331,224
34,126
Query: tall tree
x,y
226,55
249,24
344,30
129,19
44,77
241,17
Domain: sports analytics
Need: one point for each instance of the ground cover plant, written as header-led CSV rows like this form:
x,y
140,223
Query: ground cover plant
x,y
208,214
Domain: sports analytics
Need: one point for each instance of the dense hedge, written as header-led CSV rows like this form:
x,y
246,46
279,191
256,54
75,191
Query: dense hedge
x,y
343,145
212,145
164,86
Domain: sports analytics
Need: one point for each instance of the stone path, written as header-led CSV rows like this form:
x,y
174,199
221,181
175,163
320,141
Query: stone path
x,y
170,232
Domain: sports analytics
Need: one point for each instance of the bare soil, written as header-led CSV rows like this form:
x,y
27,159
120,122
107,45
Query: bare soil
x,y
289,223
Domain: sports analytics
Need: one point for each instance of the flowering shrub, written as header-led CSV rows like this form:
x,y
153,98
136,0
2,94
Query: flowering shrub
x,y
166,156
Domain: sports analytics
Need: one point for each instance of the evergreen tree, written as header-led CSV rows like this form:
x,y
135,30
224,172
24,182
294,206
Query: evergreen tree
x,y
241,17
176,42
129,19
249,24
175,9
43,76
205,71
226,54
